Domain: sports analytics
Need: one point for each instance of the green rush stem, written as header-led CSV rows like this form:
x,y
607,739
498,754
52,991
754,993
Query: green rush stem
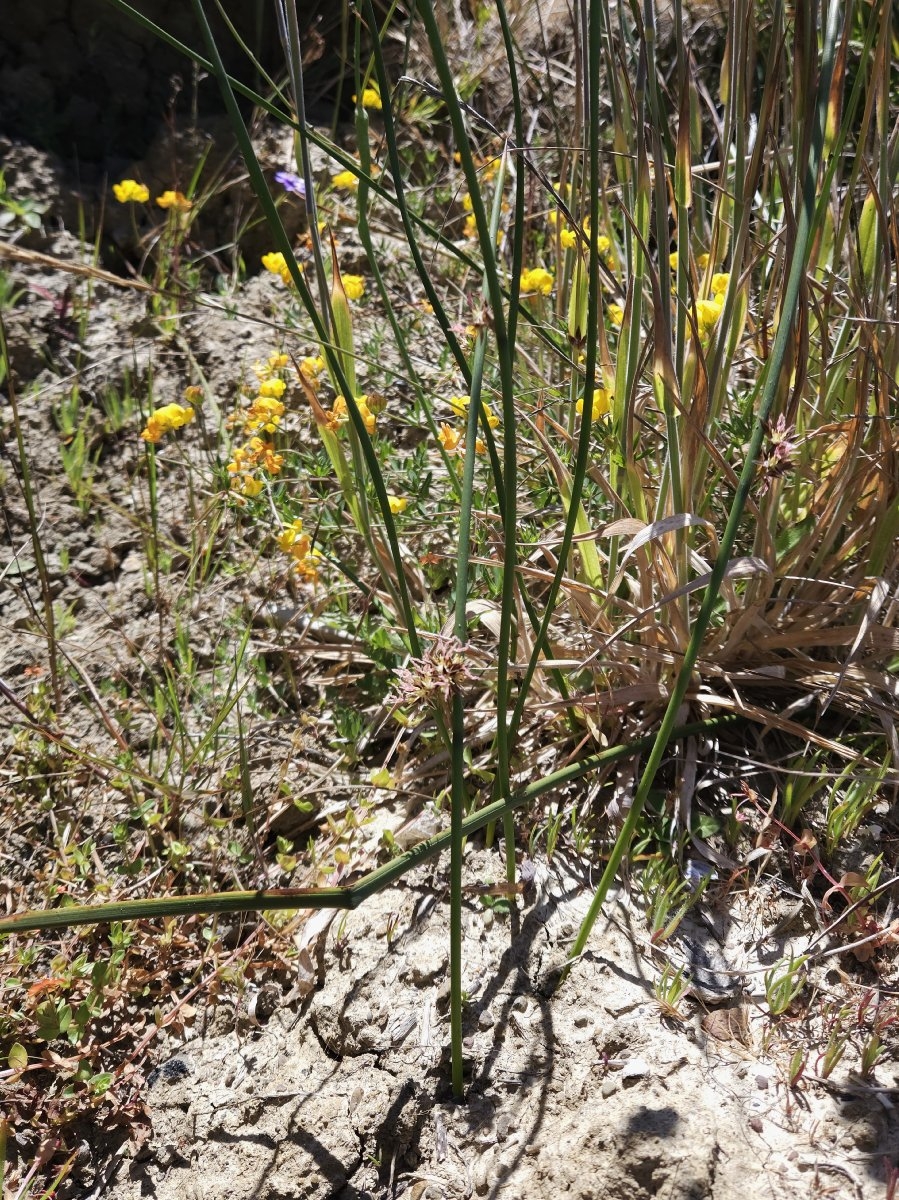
x,y
772,377
352,895
457,845
507,481
591,110
276,228
396,170
363,227
457,752
505,650
295,65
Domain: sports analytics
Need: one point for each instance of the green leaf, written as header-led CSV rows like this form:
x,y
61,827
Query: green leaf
x,y
17,1057
867,238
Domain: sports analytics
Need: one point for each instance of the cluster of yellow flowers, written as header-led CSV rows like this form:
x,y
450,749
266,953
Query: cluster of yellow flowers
x,y
371,98
263,416
298,545
702,261
276,263
369,409
709,311
254,455
537,281
175,200
165,419
354,286
312,367
129,191
470,229
461,404
346,180
600,407
569,239
451,439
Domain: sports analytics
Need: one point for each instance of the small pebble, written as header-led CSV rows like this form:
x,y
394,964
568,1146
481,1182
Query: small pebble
x,y
485,1019
635,1068
609,1088
762,1082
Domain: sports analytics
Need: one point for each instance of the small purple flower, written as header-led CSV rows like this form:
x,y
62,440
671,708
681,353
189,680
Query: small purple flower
x,y
291,183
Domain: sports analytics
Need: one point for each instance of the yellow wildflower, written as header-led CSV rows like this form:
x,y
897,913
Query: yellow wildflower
x,y
537,280
176,200
296,543
466,201
702,261
257,453
491,168
354,286
673,260
471,226
165,419
193,394
272,387
448,437
268,369
459,404
247,486
339,414
345,179
707,314
368,417
312,365
371,98
492,418
307,567
366,414
398,504
615,314
130,191
600,406
291,534
275,262
552,218
720,283
264,413
568,239
480,446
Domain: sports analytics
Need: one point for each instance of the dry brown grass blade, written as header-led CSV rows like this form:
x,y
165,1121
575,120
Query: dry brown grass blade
x,y
34,258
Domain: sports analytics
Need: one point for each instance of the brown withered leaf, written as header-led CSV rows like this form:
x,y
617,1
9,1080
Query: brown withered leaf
x,y
728,1024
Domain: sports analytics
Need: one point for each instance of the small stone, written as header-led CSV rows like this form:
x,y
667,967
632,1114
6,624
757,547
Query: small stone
x,y
762,1082
634,1069
609,1088
428,969
504,1126
485,1019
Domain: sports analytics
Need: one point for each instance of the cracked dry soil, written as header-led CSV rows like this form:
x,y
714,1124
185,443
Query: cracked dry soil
x,y
582,1091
